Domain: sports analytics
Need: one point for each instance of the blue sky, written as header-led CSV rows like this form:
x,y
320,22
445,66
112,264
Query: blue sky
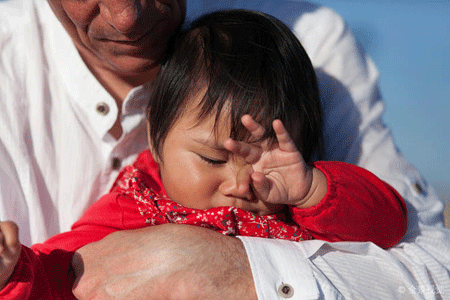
x,y
409,41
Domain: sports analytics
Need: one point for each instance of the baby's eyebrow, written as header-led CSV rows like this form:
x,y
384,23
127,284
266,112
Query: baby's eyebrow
x,y
210,142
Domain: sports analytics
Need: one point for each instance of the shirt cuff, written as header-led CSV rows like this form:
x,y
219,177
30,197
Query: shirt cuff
x,y
280,269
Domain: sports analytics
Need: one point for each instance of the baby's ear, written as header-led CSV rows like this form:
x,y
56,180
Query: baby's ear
x,y
155,156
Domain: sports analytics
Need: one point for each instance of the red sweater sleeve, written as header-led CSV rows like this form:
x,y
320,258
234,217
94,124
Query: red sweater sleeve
x,y
40,274
44,270
358,206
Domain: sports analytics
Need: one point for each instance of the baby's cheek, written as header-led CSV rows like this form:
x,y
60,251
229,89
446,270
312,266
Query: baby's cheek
x,y
189,188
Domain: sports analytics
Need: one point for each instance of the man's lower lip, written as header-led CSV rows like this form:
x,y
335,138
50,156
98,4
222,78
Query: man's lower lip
x,y
135,42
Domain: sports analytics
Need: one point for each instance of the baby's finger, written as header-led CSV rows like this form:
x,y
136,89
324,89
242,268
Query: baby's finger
x,y
285,142
10,234
243,181
255,128
261,185
249,153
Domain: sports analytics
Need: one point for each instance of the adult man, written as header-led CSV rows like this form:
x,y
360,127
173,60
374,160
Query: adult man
x,y
72,101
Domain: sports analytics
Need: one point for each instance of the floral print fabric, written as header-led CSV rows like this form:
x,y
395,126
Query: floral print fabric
x,y
159,209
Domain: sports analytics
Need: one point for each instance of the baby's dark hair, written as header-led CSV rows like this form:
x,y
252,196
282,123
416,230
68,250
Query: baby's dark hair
x,y
249,63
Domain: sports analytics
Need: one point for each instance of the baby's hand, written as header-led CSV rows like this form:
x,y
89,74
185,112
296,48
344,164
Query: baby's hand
x,y
9,250
280,174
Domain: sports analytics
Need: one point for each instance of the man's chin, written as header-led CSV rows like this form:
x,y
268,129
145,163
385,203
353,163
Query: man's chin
x,y
133,71
134,66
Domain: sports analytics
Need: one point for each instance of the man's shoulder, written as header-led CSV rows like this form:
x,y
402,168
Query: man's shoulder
x,y
18,20
21,23
14,15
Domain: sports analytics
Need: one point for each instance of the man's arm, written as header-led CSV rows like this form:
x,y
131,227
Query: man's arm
x,y
164,262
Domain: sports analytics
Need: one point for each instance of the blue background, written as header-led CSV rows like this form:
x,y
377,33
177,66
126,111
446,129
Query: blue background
x,y
409,41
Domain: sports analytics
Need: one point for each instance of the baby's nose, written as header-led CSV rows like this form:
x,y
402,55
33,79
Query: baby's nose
x,y
238,185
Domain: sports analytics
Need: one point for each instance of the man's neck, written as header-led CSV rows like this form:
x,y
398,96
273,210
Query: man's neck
x,y
119,86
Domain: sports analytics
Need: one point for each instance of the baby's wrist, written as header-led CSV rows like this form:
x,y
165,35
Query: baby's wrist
x,y
317,191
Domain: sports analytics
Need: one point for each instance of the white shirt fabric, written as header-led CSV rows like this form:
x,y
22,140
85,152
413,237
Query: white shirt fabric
x,y
57,158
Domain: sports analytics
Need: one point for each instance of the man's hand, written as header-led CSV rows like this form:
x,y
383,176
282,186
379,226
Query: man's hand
x,y
164,262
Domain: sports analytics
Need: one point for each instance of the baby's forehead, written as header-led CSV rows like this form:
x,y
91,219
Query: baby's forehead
x,y
214,123
223,110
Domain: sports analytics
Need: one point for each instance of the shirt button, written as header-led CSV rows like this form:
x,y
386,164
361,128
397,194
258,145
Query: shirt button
x,y
102,108
285,290
116,163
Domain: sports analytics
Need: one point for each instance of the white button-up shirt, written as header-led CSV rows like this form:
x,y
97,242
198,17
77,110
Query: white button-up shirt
x,y
57,157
